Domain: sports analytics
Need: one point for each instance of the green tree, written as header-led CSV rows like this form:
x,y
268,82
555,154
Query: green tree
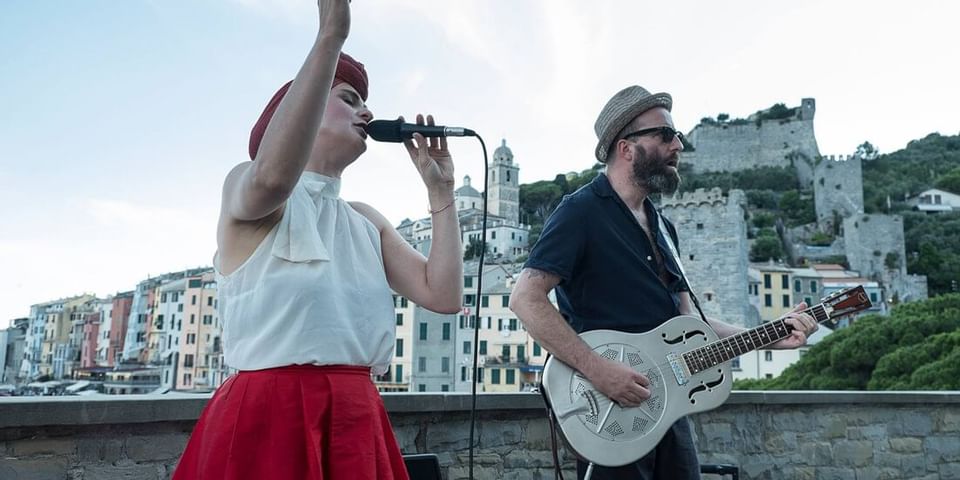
x,y
916,347
949,181
538,199
796,209
474,248
765,248
867,151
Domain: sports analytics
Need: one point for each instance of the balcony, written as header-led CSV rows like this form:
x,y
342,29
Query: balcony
x,y
770,435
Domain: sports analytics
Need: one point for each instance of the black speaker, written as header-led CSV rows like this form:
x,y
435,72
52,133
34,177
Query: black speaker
x,y
423,466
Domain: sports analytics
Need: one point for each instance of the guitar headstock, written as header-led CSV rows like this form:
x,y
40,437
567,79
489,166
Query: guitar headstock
x,y
846,302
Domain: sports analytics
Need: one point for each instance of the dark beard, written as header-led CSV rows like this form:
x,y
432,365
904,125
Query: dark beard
x,y
652,174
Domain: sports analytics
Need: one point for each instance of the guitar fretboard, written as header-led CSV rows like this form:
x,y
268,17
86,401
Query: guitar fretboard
x,y
725,349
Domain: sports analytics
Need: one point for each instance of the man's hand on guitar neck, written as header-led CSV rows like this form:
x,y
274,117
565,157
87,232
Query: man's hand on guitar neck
x,y
618,381
803,326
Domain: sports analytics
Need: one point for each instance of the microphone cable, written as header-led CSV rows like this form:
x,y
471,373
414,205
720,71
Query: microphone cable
x,y
476,324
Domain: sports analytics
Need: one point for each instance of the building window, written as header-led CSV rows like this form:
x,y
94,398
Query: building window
x,y
445,365
463,374
485,301
399,319
191,338
767,281
193,319
536,349
797,285
483,347
768,356
421,388
505,301
495,376
735,363
423,331
399,347
209,301
193,301
446,331
422,364
188,360
505,353
513,324
468,282
786,301
521,353
813,286
444,388
399,376
767,300
784,282
511,377
479,374
466,347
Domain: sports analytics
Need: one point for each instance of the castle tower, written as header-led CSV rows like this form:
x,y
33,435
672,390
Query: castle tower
x,y
808,108
713,248
504,194
837,189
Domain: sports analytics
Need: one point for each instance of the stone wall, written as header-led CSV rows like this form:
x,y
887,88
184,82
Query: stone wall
x,y
714,250
725,147
769,435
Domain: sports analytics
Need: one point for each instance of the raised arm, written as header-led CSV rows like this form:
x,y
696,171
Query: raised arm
x,y
543,321
434,282
254,190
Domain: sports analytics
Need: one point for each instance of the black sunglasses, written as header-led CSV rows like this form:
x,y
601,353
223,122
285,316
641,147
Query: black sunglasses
x,y
667,134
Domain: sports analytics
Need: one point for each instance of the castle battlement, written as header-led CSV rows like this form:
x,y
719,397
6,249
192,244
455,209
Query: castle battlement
x,y
713,197
838,158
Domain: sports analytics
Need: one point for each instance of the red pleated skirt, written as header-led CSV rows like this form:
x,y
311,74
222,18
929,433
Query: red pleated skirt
x,y
299,422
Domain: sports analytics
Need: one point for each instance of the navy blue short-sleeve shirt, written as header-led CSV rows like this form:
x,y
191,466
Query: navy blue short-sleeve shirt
x,y
604,259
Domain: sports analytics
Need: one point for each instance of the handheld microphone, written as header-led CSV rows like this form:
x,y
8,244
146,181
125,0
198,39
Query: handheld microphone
x,y
396,131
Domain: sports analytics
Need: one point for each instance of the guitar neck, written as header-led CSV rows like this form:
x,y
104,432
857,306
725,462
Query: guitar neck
x,y
733,346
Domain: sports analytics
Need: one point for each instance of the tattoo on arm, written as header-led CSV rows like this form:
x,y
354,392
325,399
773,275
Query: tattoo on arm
x,y
534,273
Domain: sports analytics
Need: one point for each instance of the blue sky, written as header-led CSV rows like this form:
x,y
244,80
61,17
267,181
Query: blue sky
x,y
120,118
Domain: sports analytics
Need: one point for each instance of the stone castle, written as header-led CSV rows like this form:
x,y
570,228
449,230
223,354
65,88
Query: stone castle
x,y
713,224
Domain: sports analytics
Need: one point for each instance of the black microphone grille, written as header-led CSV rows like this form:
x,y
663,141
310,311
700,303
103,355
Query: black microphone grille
x,y
385,130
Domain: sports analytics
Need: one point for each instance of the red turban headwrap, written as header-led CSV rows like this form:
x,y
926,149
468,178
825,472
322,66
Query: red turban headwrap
x,y
349,71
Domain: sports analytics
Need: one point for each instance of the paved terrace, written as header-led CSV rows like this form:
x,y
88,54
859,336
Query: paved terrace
x,y
770,435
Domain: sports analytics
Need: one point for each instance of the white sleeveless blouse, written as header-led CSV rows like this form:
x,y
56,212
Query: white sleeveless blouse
x,y
313,292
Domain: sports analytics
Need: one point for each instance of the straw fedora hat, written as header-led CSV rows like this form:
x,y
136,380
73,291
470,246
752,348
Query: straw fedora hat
x,y
626,105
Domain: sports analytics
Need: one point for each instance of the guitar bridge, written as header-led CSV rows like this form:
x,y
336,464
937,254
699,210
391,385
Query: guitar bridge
x,y
676,364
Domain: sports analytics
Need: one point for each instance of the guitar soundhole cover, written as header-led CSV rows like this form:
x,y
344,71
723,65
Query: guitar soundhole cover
x,y
640,424
614,429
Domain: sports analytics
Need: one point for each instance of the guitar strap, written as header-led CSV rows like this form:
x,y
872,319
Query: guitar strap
x,y
683,273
